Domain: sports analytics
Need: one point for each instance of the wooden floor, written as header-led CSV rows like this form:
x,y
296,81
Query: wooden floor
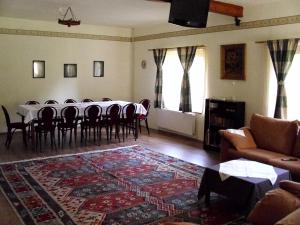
x,y
174,145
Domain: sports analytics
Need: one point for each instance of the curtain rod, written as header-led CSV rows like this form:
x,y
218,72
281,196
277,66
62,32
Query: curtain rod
x,y
198,46
264,42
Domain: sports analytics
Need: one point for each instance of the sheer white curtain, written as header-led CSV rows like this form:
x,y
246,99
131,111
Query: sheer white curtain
x,y
172,77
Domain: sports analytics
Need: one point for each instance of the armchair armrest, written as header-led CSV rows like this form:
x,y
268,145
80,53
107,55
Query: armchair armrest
x,y
290,186
224,146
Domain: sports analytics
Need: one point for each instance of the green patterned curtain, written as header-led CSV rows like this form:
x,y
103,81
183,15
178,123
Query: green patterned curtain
x,y
159,58
186,56
282,53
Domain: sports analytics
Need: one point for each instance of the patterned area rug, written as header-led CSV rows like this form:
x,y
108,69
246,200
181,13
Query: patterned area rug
x,y
130,185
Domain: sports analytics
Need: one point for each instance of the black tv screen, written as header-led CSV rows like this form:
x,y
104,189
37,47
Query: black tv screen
x,y
189,13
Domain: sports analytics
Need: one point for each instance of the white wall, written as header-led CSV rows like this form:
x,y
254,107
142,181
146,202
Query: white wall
x,y
252,90
17,85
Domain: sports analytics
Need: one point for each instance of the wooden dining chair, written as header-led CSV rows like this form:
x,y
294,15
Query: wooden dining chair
x,y
87,100
106,99
111,120
128,120
70,101
12,127
68,122
46,123
91,120
32,102
140,117
51,102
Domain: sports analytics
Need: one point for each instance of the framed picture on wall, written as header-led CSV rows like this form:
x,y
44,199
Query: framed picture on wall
x,y
98,69
38,69
70,70
233,62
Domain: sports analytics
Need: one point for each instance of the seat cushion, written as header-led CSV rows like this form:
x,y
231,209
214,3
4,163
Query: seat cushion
x,y
291,219
292,166
273,207
256,154
274,134
240,139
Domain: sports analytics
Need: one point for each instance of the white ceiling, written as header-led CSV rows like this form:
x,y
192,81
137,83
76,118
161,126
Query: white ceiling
x,y
123,13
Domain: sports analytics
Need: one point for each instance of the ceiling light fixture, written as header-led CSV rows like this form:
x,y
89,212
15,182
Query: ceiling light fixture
x,y
69,22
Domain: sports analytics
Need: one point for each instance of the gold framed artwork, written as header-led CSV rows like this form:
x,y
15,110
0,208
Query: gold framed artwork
x,y
233,62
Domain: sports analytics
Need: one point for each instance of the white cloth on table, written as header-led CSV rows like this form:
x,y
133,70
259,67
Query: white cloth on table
x,y
247,168
30,111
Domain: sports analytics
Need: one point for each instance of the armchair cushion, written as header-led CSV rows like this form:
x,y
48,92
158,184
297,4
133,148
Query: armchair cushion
x,y
276,204
291,219
290,186
274,134
240,139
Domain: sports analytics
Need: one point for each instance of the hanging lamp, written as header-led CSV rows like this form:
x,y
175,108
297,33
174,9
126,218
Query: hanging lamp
x,y
69,22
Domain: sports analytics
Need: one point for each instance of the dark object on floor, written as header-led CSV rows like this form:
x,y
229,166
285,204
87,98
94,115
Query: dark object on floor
x,y
12,127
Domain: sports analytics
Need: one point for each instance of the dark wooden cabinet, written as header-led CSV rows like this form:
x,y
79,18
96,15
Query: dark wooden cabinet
x,y
221,114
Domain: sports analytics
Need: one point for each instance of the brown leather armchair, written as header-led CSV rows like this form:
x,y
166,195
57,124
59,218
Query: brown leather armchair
x,y
280,206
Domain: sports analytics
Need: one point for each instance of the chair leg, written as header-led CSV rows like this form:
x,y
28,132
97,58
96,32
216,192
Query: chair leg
x,y
146,121
24,136
140,125
40,140
75,134
8,134
58,136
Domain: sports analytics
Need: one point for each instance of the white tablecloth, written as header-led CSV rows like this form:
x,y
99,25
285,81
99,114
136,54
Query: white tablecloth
x,y
247,168
30,111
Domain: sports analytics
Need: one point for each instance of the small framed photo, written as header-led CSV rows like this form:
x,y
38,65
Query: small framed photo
x,y
233,62
70,70
98,69
38,69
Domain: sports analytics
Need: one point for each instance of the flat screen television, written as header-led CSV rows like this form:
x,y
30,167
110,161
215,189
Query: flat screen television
x,y
189,13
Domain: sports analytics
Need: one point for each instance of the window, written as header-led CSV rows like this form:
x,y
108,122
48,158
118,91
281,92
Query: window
x,y
172,78
292,82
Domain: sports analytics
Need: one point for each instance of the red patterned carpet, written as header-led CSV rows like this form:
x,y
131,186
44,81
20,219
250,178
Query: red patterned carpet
x,y
130,185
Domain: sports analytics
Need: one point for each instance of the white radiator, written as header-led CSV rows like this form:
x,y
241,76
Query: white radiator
x,y
178,122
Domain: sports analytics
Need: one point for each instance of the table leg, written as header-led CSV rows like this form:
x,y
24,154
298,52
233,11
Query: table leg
x,y
32,135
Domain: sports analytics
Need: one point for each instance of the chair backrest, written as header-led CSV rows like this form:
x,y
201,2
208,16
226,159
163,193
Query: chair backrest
x,y
46,117
128,112
113,113
92,114
51,102
7,118
70,101
32,102
69,115
106,99
87,100
146,104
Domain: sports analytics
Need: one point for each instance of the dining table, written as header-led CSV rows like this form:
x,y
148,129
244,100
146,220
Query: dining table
x,y
29,112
